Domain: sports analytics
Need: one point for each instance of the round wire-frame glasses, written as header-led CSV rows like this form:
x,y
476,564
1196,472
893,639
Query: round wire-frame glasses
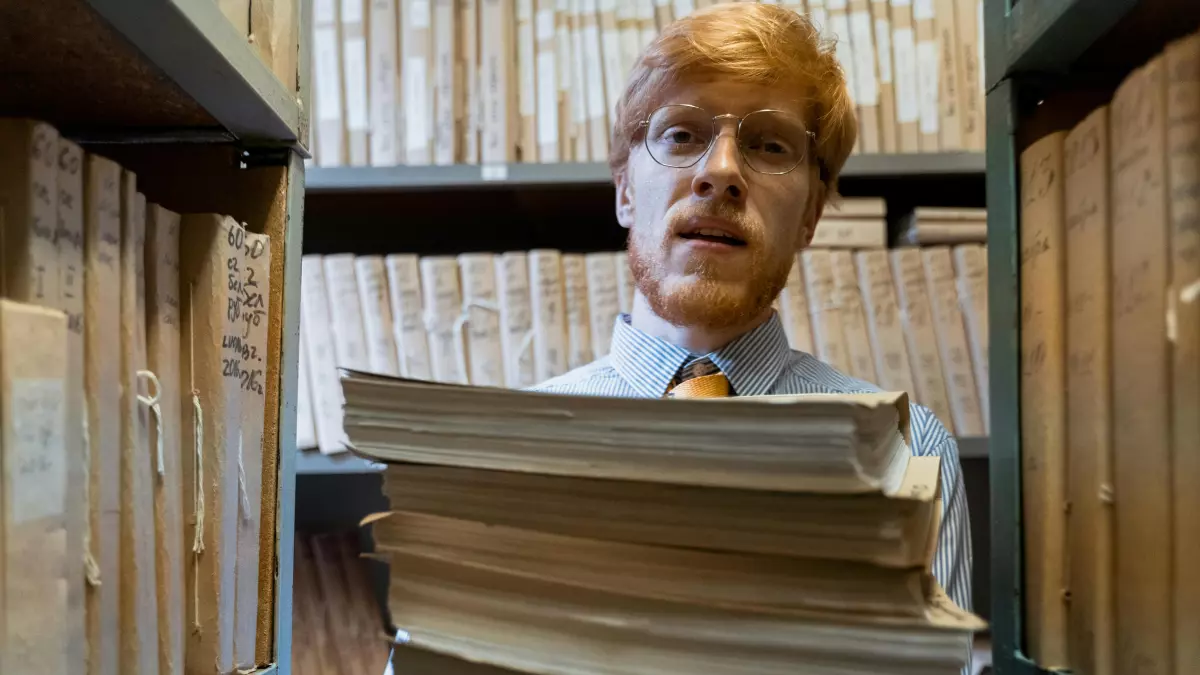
x,y
679,135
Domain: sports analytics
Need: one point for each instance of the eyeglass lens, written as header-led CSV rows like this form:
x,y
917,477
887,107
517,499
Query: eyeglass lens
x,y
770,141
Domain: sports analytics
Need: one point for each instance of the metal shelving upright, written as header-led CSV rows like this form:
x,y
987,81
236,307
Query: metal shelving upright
x,y
170,89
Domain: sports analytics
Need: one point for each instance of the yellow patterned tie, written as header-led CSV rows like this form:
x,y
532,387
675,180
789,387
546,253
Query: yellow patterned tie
x,y
699,379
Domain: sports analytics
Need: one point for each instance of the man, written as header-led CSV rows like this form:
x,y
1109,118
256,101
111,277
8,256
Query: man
x,y
727,142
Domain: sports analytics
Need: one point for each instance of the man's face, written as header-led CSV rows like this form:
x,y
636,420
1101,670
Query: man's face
x,y
711,245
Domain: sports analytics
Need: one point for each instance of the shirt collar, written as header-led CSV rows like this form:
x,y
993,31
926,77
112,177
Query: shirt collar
x,y
753,362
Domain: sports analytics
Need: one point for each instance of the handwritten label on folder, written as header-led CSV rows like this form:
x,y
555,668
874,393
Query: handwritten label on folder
x,y
36,460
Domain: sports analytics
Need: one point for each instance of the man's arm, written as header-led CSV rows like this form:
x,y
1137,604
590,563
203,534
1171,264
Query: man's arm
x,y
953,561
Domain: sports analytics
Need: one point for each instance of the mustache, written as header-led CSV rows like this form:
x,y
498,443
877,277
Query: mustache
x,y
748,228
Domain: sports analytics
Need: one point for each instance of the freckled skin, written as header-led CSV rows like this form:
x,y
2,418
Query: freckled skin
x,y
698,295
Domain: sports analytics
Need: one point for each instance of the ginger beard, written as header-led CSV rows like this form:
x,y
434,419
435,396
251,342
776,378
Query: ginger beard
x,y
708,292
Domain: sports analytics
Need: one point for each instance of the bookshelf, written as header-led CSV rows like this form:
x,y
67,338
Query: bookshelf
x,y
1035,50
172,91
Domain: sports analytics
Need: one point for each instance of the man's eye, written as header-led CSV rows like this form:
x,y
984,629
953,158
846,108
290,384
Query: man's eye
x,y
680,135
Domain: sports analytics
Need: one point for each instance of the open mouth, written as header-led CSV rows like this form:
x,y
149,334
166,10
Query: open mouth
x,y
713,235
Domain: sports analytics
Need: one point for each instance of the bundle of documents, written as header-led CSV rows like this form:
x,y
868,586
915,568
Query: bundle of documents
x,y
549,534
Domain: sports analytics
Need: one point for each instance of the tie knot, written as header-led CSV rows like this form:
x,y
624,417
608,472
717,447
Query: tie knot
x,y
699,379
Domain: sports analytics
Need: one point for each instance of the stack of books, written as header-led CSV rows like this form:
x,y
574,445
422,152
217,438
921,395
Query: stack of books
x,y
549,534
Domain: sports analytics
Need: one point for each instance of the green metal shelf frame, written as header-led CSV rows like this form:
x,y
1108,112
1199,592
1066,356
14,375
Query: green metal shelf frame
x,y
421,178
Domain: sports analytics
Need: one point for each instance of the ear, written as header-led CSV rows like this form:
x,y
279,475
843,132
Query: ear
x,y
624,198
812,214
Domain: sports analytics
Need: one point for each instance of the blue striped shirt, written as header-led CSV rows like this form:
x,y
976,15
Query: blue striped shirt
x,y
760,363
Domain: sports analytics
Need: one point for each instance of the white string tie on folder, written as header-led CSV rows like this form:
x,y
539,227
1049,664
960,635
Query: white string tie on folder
x,y
456,332
91,568
245,497
198,436
152,402
402,638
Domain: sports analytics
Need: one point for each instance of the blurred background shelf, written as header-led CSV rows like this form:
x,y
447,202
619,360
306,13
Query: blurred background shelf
x,y
421,178
135,70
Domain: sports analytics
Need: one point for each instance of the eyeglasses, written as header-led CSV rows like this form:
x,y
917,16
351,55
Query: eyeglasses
x,y
770,141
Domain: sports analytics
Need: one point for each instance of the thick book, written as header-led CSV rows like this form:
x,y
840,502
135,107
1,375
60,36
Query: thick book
x,y
252,324
383,90
952,341
354,80
102,340
1183,180
916,316
527,82
163,351
34,632
139,599
1089,407
883,321
345,312
793,310
447,83
1043,406
68,239
211,261
537,625
839,231
1141,369
416,67
845,443
908,92
328,130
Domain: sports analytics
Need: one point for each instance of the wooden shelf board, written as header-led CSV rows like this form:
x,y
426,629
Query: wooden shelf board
x,y
135,70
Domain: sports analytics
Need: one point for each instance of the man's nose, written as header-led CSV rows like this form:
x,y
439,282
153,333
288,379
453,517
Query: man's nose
x,y
720,174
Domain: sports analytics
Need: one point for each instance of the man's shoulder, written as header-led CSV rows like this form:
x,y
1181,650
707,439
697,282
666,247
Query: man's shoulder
x,y
594,378
929,435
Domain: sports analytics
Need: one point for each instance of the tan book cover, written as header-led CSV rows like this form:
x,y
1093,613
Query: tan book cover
x,y
627,26
497,47
275,27
793,310
471,99
68,239
610,56
447,83
881,23
971,103
315,322
1043,406
581,150
252,365
1141,370
102,381
568,93
663,13
354,80
34,633
28,187
416,78
850,232
951,333
516,319
527,83
139,599
599,108
371,276
602,302
970,267
481,310
404,294
329,131
549,314
549,126
916,316
950,77
883,321
1090,616
838,27
306,426
166,430
1183,184
647,28
908,99
866,73
854,320
238,13
442,299
211,249
383,90
824,307
579,332
345,310
929,74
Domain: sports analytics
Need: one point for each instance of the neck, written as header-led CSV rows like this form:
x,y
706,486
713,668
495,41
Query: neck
x,y
695,339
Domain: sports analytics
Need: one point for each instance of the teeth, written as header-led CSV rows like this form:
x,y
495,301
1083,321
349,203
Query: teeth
x,y
709,232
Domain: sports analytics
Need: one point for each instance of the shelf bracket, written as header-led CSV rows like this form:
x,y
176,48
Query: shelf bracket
x,y
256,157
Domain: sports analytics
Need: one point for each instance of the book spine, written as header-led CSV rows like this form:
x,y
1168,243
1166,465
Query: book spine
x,y
446,83
850,233
443,304
327,84
306,430
548,312
1043,416
316,321
484,349
354,73
516,319
417,46
602,300
883,321
382,92
408,319
854,320
579,334
908,91
928,70
548,82
970,265
794,310
952,341
349,341
371,280
1141,365
908,274
824,309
